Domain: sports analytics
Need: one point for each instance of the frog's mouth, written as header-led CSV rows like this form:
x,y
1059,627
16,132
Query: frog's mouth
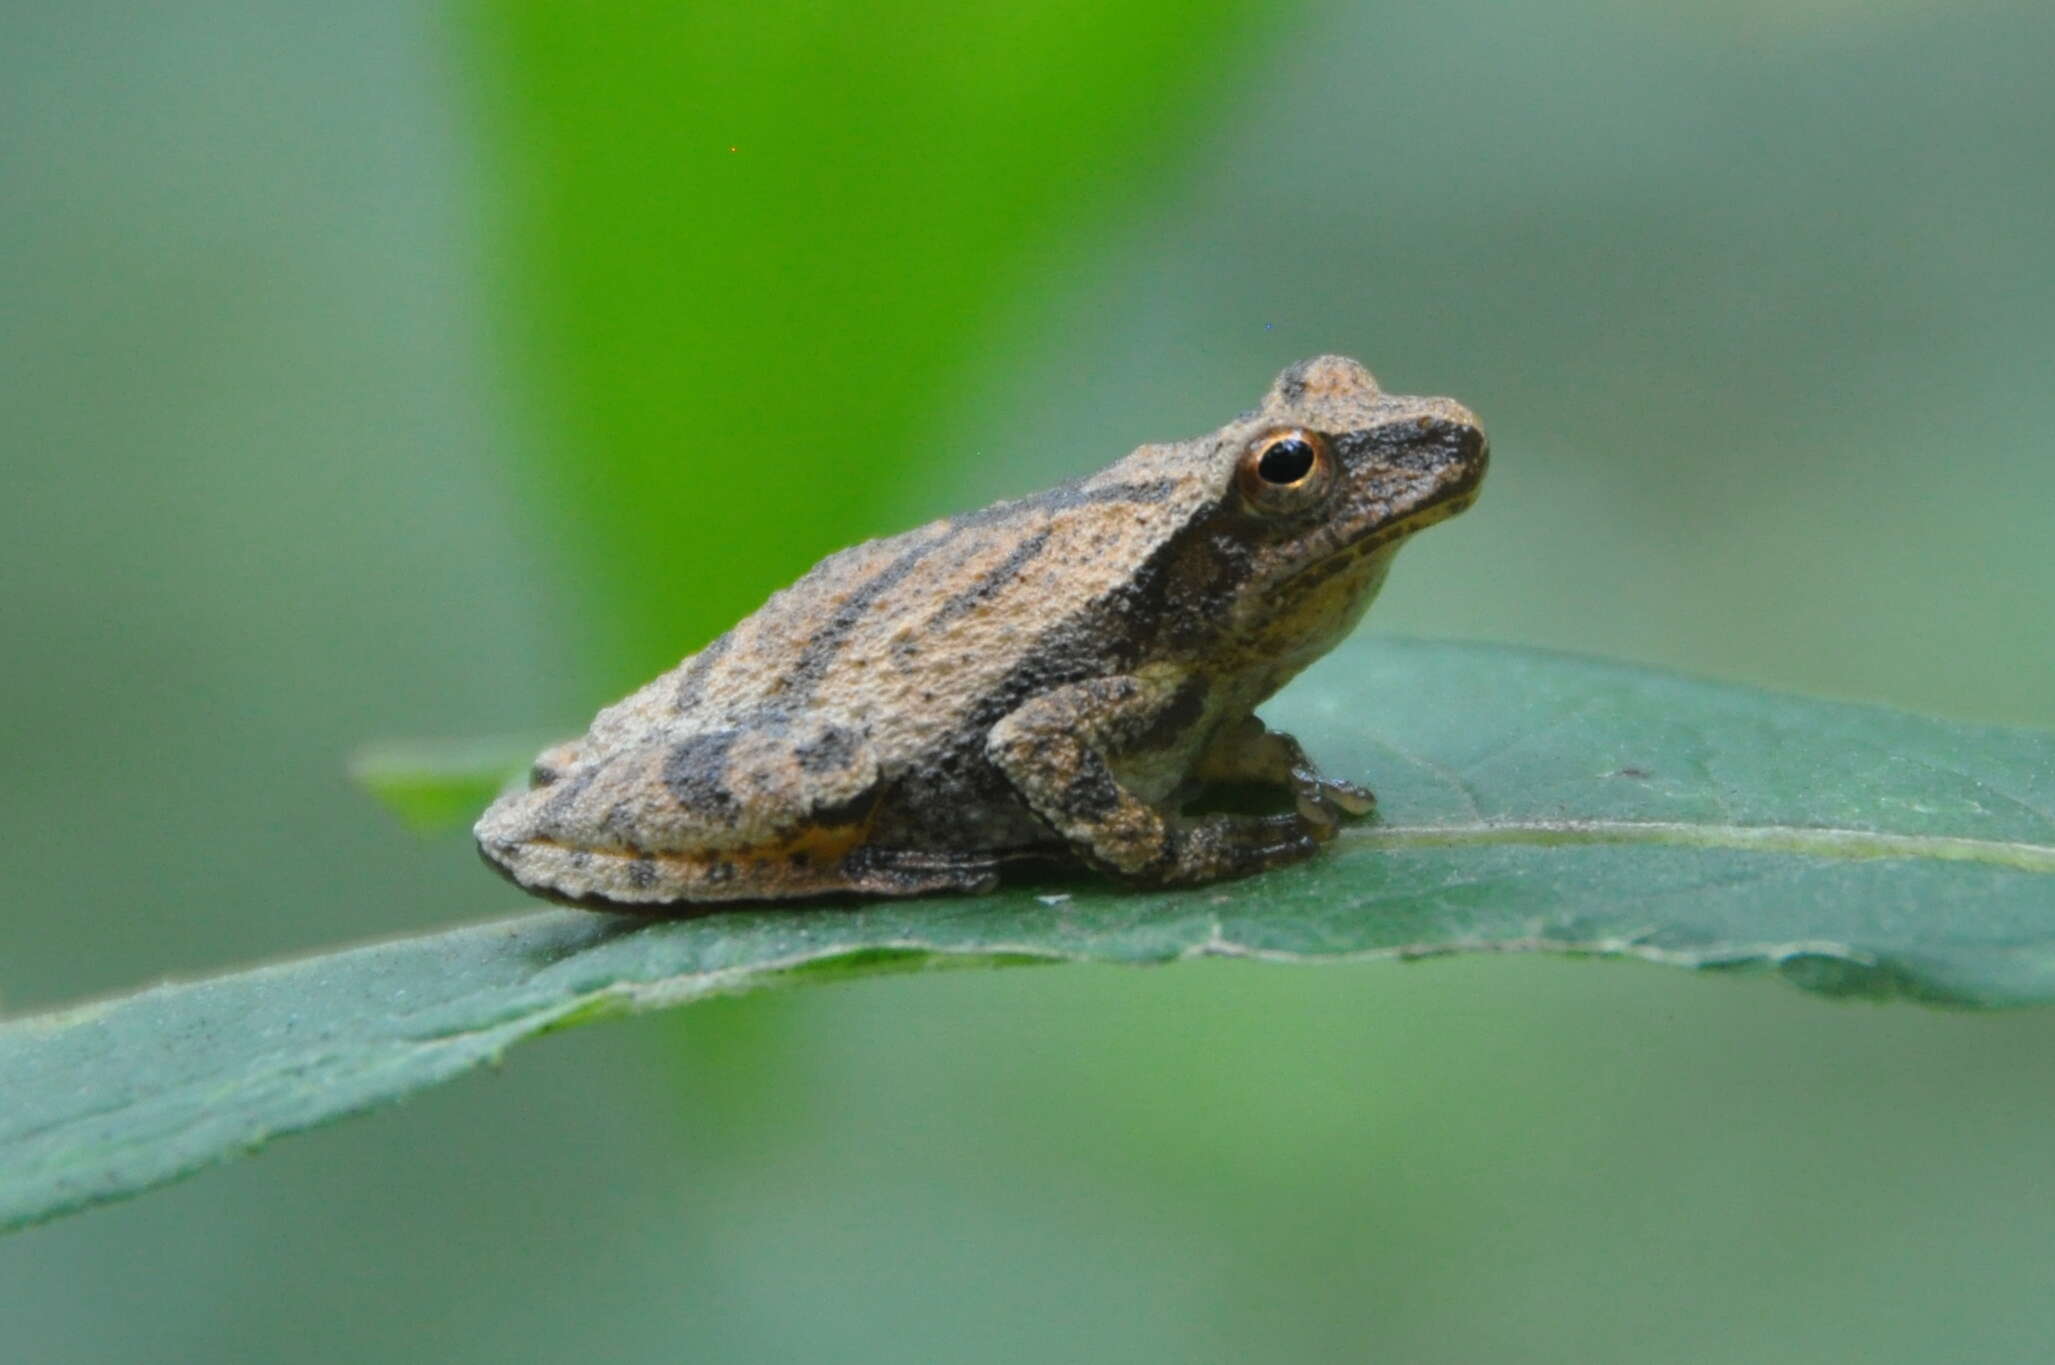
x,y
1381,535
1443,505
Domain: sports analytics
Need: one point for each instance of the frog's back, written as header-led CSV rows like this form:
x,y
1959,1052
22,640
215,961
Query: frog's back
x,y
903,639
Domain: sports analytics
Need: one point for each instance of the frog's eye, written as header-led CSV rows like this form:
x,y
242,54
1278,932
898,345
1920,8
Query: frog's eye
x,y
1285,470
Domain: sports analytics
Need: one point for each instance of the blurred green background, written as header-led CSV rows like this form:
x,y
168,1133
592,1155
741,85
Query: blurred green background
x,y
399,370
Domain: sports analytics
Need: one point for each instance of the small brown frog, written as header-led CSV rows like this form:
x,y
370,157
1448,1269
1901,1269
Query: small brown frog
x,y
1052,679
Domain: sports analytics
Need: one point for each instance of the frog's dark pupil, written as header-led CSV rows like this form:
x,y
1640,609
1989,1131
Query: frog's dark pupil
x,y
1285,461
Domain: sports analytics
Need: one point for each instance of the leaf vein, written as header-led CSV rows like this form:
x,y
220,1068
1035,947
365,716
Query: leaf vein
x,y
1795,839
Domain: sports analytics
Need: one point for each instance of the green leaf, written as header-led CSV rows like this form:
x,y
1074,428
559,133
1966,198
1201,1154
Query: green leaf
x,y
1531,802
438,784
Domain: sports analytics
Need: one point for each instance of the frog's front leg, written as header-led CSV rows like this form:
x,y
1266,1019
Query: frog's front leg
x,y
1061,751
1252,752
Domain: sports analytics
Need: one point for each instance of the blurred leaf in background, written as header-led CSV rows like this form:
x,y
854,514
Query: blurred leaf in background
x,y
438,785
762,246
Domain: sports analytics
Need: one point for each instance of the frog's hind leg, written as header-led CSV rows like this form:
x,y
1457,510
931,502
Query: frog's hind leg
x,y
777,808
1059,751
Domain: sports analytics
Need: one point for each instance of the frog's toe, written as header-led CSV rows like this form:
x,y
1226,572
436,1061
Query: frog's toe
x,y
1322,819
1217,847
1353,799
1323,801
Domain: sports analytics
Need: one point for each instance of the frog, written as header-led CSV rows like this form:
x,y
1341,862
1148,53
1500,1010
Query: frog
x,y
1057,681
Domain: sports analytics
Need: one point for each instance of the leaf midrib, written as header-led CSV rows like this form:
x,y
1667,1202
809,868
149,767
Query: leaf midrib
x,y
1811,840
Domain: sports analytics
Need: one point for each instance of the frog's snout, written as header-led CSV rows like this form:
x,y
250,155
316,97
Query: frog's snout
x,y
1466,475
1457,449
1473,448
